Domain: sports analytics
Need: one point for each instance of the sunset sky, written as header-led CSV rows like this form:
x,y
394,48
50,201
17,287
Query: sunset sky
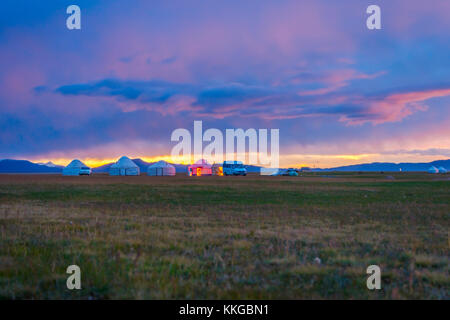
x,y
339,93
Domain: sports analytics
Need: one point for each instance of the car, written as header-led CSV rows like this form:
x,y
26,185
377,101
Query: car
x,y
234,168
85,171
291,172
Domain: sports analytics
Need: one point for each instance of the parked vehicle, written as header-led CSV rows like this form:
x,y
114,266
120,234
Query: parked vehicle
x,y
291,172
85,171
234,168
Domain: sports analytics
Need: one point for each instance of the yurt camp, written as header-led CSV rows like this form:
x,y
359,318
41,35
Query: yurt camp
x,y
433,169
200,168
442,170
124,167
161,168
76,168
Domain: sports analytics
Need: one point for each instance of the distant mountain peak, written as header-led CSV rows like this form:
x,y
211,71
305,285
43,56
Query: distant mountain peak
x,y
25,166
48,164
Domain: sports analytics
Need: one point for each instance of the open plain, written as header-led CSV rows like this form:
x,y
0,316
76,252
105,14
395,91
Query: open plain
x,y
253,237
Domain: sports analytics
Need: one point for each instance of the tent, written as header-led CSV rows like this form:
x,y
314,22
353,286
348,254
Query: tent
x,y
442,170
124,167
76,168
217,170
278,172
433,169
270,171
200,168
161,168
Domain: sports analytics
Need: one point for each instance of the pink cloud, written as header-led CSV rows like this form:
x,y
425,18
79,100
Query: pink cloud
x,y
338,79
397,106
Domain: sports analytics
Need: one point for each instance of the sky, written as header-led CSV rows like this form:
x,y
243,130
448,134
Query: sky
x,y
338,92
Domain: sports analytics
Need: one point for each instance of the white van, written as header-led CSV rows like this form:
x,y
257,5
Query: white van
x,y
234,168
85,171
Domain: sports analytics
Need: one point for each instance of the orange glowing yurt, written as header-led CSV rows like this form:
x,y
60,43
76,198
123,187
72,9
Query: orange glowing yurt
x,y
200,168
217,170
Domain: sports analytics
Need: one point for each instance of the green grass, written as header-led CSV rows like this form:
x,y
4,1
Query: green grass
x,y
234,237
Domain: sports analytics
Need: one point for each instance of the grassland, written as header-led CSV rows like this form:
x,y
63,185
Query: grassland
x,y
225,237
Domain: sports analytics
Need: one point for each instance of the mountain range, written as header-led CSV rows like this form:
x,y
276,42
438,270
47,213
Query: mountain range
x,y
25,166
389,166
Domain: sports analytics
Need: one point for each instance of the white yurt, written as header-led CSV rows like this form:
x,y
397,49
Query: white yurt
x,y
442,170
124,167
74,168
433,169
161,168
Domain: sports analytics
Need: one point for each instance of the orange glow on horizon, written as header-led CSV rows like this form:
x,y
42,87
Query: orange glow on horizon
x,y
323,160
286,161
97,162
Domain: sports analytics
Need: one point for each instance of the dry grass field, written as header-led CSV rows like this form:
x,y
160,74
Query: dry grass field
x,y
225,237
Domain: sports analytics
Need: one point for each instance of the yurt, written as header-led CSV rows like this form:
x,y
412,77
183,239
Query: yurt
x,y
217,170
124,167
442,170
76,168
161,168
200,168
433,169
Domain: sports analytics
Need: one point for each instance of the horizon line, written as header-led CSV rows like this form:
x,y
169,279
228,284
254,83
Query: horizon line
x,y
161,158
